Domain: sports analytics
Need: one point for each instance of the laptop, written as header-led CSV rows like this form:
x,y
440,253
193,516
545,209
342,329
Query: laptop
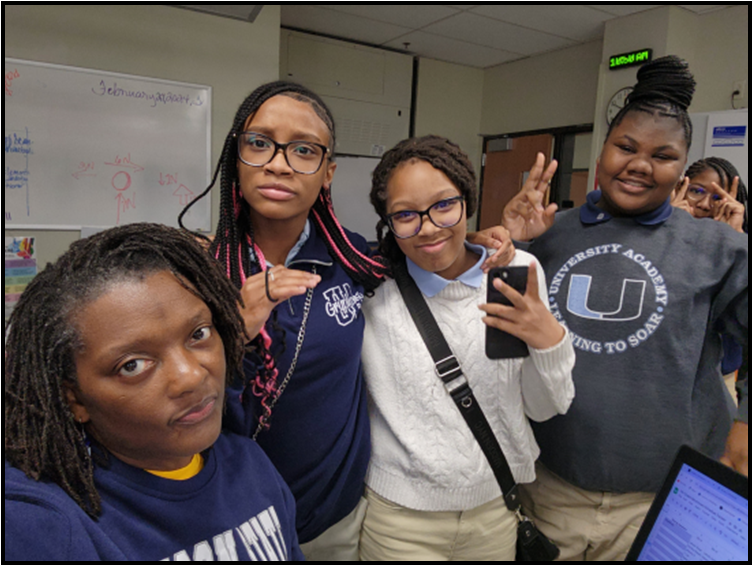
x,y
700,514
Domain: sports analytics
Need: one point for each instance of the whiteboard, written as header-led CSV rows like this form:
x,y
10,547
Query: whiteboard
x,y
86,148
351,186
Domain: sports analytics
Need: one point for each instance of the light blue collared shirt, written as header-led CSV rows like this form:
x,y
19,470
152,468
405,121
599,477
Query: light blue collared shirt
x,y
431,284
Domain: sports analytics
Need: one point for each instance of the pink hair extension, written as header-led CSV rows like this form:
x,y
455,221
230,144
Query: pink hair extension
x,y
240,267
265,390
227,257
236,203
328,201
259,254
332,243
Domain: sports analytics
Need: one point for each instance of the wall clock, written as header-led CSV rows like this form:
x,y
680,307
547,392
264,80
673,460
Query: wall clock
x,y
616,103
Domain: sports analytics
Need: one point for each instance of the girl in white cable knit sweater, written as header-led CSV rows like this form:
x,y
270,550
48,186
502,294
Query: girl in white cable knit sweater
x,y
432,495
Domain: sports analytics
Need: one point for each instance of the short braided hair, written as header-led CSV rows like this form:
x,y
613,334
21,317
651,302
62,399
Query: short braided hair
x,y
440,153
41,436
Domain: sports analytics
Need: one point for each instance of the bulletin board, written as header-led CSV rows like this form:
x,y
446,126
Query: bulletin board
x,y
87,148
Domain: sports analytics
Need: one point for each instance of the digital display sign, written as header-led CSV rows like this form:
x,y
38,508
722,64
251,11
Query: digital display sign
x,y
629,59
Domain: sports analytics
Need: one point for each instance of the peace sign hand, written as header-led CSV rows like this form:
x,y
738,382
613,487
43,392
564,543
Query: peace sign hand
x,y
729,210
525,216
679,196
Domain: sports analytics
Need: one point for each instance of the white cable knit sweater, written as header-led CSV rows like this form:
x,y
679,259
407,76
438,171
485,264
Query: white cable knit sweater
x,y
424,456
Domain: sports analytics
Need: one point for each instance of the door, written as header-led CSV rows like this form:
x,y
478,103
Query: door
x,y
506,165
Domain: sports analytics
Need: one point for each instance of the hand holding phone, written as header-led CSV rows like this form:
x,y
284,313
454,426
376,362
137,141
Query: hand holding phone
x,y
501,344
517,311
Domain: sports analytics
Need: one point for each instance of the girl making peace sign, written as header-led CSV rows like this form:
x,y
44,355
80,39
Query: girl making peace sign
x,y
645,291
712,189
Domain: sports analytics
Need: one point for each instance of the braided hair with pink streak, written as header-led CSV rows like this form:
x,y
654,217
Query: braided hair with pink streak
x,y
234,243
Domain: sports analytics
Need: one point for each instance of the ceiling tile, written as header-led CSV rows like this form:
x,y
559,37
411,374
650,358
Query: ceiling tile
x,y
446,49
246,12
623,9
498,35
703,8
346,26
478,35
572,21
414,16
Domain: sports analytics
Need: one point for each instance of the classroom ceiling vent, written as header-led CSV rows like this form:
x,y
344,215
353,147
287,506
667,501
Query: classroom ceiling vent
x,y
245,12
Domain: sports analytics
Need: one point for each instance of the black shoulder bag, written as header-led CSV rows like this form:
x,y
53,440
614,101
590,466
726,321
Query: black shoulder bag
x,y
532,544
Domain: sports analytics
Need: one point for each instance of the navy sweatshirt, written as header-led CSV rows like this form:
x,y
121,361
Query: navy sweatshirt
x,y
236,508
319,436
645,300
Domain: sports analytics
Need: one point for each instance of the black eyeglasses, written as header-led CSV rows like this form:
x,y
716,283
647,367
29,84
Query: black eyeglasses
x,y
443,214
257,150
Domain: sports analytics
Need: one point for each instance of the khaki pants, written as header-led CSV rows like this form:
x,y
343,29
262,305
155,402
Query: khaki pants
x,y
585,525
396,534
339,542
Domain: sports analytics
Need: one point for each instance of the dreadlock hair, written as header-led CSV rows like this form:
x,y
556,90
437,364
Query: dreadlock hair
x,y
665,87
441,154
234,244
727,173
43,337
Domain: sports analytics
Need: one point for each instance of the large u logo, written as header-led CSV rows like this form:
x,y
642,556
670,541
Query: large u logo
x,y
629,308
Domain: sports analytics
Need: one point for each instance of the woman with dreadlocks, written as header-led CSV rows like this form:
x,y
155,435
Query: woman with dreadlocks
x,y
645,291
116,364
432,494
303,278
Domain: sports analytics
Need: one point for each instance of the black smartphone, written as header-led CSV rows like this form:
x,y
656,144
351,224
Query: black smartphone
x,y
500,344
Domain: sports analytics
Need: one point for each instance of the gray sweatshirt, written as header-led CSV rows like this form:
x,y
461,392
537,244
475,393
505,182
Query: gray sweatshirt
x,y
645,301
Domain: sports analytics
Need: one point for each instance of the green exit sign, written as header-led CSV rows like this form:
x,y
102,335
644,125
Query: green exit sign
x,y
629,59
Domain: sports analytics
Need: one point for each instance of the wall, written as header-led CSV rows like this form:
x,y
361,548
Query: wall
x,y
715,46
721,58
555,89
448,103
545,91
153,41
573,86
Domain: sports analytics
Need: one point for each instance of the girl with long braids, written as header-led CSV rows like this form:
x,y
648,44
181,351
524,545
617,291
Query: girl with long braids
x,y
645,291
712,188
303,278
116,363
432,494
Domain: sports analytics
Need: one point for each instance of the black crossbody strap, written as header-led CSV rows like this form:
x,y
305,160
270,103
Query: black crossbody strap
x,y
449,371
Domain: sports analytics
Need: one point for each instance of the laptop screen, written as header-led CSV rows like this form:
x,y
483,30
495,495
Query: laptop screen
x,y
701,520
